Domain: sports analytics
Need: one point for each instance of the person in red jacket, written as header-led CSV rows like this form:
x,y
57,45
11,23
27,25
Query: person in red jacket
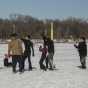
x,y
44,51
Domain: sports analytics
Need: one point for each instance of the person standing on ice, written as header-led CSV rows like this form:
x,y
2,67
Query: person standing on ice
x,y
27,53
82,49
50,44
44,51
15,50
6,61
49,59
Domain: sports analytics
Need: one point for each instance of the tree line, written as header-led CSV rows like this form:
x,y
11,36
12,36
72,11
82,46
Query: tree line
x,y
23,25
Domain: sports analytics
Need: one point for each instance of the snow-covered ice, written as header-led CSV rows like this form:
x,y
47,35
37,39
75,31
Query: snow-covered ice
x,y
67,74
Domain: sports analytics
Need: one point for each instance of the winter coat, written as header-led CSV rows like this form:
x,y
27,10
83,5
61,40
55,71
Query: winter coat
x,y
44,51
15,47
28,45
82,48
50,45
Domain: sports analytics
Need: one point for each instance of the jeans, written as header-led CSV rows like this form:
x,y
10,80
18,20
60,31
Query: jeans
x,y
42,66
83,61
17,59
49,60
27,55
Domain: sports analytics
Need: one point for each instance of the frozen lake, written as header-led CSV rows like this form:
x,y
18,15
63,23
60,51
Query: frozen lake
x,y
67,74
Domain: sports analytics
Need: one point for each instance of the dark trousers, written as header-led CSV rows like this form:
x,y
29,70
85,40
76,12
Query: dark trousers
x,y
49,60
42,66
83,61
27,55
17,59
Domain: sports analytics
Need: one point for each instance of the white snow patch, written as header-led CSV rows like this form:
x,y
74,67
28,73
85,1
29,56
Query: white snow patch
x,y
67,74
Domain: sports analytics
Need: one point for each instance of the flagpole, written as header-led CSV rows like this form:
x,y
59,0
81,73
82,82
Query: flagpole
x,y
51,30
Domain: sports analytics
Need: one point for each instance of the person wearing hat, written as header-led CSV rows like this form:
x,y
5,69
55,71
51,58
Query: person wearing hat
x,y
50,45
27,52
15,50
51,52
82,49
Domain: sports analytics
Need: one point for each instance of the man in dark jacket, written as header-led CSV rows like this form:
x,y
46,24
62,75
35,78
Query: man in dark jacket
x,y
50,44
82,49
27,53
49,60
45,40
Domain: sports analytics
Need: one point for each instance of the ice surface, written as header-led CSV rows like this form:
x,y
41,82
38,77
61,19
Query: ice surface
x,y
67,74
